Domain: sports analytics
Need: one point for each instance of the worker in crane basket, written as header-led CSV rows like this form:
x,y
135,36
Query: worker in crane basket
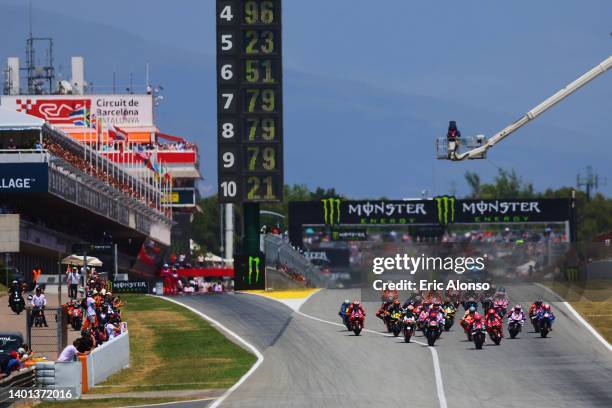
x,y
453,136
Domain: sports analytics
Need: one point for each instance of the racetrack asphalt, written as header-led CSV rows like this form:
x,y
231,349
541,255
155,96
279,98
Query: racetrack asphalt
x,y
311,363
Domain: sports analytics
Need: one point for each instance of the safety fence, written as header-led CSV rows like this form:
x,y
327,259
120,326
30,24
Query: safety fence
x,y
49,339
280,255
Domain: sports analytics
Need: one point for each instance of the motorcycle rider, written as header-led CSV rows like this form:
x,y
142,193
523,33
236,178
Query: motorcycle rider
x,y
468,318
545,309
517,314
343,308
15,290
355,310
380,313
493,321
38,302
535,307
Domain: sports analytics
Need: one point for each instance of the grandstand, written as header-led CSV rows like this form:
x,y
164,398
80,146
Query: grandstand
x,y
68,193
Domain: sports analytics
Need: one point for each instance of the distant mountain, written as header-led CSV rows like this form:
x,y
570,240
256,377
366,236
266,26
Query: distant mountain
x,y
365,140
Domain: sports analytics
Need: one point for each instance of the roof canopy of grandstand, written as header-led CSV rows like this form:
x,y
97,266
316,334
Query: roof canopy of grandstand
x,y
13,120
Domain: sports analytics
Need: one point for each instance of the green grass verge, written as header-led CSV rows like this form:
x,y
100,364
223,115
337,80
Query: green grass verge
x,y
172,348
107,402
592,300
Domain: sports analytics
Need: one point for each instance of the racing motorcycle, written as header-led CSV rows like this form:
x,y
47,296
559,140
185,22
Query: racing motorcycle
x,y
478,333
409,326
544,323
449,318
357,322
495,335
346,320
432,331
395,324
501,307
515,325
534,320
16,302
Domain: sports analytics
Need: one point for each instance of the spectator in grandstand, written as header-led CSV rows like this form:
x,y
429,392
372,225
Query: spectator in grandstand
x,y
200,263
73,277
11,145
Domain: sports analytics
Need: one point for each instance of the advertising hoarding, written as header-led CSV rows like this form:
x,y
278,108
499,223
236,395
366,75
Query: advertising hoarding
x,y
77,110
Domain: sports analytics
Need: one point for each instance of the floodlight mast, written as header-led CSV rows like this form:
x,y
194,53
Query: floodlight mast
x,y
480,152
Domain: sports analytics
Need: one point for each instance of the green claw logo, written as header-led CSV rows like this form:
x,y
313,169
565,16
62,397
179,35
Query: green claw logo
x,y
253,261
331,211
446,209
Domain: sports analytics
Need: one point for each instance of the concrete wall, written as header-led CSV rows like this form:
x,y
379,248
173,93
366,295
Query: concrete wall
x,y
110,357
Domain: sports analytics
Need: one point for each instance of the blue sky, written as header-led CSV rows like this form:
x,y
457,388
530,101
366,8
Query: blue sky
x,y
485,61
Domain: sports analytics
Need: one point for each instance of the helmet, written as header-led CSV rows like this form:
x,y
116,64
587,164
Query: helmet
x,y
518,307
477,316
546,306
410,307
396,302
472,310
538,301
15,282
346,301
355,301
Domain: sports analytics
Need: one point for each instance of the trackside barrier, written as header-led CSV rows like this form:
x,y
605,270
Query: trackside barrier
x,y
60,375
107,359
22,379
279,251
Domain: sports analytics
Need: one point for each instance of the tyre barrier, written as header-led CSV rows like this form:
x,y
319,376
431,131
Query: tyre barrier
x,y
21,379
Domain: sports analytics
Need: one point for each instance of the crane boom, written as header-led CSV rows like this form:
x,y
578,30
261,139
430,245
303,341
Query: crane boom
x,y
478,152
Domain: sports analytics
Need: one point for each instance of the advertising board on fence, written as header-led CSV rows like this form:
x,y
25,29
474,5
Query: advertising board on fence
x,y
130,287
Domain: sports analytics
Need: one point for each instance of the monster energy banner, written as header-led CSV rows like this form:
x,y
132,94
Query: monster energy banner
x,y
250,272
442,210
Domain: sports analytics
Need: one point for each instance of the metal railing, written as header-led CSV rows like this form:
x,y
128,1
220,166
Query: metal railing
x,y
23,156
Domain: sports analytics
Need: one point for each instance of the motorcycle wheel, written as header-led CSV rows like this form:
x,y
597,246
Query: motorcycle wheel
x,y
478,342
396,330
513,333
431,340
357,330
469,336
497,340
77,325
407,336
543,331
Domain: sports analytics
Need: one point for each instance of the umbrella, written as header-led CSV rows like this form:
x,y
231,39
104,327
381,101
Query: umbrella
x,y
80,260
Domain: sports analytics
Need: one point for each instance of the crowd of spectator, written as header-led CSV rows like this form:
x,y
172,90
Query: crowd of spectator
x,y
100,311
17,360
94,168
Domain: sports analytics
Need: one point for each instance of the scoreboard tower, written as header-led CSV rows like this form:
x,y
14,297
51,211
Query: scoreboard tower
x,y
249,117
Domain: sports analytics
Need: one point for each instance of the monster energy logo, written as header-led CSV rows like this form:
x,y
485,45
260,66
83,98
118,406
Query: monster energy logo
x,y
446,209
331,211
253,263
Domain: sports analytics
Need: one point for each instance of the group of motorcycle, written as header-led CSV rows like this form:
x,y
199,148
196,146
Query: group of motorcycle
x,y
432,317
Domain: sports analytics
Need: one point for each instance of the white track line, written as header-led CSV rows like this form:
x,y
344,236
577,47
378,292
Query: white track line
x,y
434,352
164,403
578,317
249,346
